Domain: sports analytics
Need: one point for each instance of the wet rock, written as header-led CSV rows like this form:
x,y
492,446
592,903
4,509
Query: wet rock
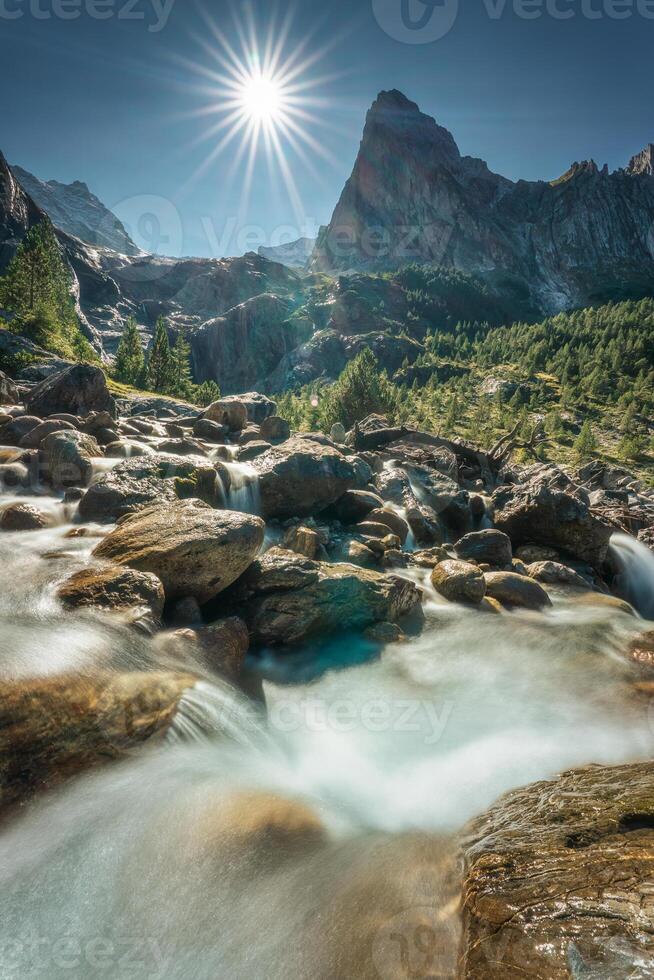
x,y
194,550
303,541
598,600
251,434
8,391
78,390
23,517
553,573
354,506
224,645
394,485
489,545
302,477
114,589
530,553
252,450
136,483
393,521
458,581
181,447
516,591
210,431
230,411
125,450
372,529
56,727
14,476
67,458
548,509
557,879
384,633
12,432
35,436
292,599
275,429
429,557
360,554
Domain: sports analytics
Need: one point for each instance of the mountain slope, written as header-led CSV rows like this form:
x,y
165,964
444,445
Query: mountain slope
x,y
75,210
412,197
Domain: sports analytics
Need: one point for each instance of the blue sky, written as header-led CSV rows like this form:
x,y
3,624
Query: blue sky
x,y
112,101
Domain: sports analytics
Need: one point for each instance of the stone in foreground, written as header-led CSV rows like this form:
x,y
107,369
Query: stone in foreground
x,y
459,581
194,550
558,880
516,591
114,589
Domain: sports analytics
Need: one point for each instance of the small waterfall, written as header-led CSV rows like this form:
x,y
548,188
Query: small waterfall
x,y
243,491
636,577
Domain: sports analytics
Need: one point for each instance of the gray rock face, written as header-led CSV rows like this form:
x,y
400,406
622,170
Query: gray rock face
x,y
547,508
78,390
194,550
412,197
78,212
302,477
293,598
293,254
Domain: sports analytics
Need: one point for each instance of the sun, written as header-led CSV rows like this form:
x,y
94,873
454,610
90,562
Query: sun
x,y
262,98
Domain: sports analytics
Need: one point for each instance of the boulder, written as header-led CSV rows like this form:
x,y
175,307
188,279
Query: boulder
x,y
458,581
303,541
354,506
194,550
302,477
275,429
516,591
222,645
395,486
548,509
12,432
22,517
291,599
209,431
488,546
230,412
553,573
78,390
252,450
557,879
113,588
392,520
181,447
35,436
8,391
360,554
67,458
144,480
56,727
372,529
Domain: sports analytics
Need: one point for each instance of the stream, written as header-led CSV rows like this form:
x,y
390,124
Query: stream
x,y
310,842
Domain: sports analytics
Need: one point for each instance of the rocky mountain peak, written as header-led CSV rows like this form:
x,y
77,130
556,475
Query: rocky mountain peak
x,y
643,162
393,116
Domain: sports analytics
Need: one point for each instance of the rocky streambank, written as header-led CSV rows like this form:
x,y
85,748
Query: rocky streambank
x,y
172,575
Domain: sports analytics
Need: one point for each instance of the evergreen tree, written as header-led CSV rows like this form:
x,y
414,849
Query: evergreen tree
x,y
36,288
360,390
182,384
159,370
130,359
585,443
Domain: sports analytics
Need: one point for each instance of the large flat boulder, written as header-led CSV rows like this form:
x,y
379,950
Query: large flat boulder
x,y
194,550
292,598
558,880
547,508
144,480
79,390
302,477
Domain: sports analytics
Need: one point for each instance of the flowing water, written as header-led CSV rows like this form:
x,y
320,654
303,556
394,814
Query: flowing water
x,y
297,845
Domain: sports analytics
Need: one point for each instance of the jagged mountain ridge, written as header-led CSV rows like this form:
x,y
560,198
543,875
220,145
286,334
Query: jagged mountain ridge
x,y
412,197
293,254
77,211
